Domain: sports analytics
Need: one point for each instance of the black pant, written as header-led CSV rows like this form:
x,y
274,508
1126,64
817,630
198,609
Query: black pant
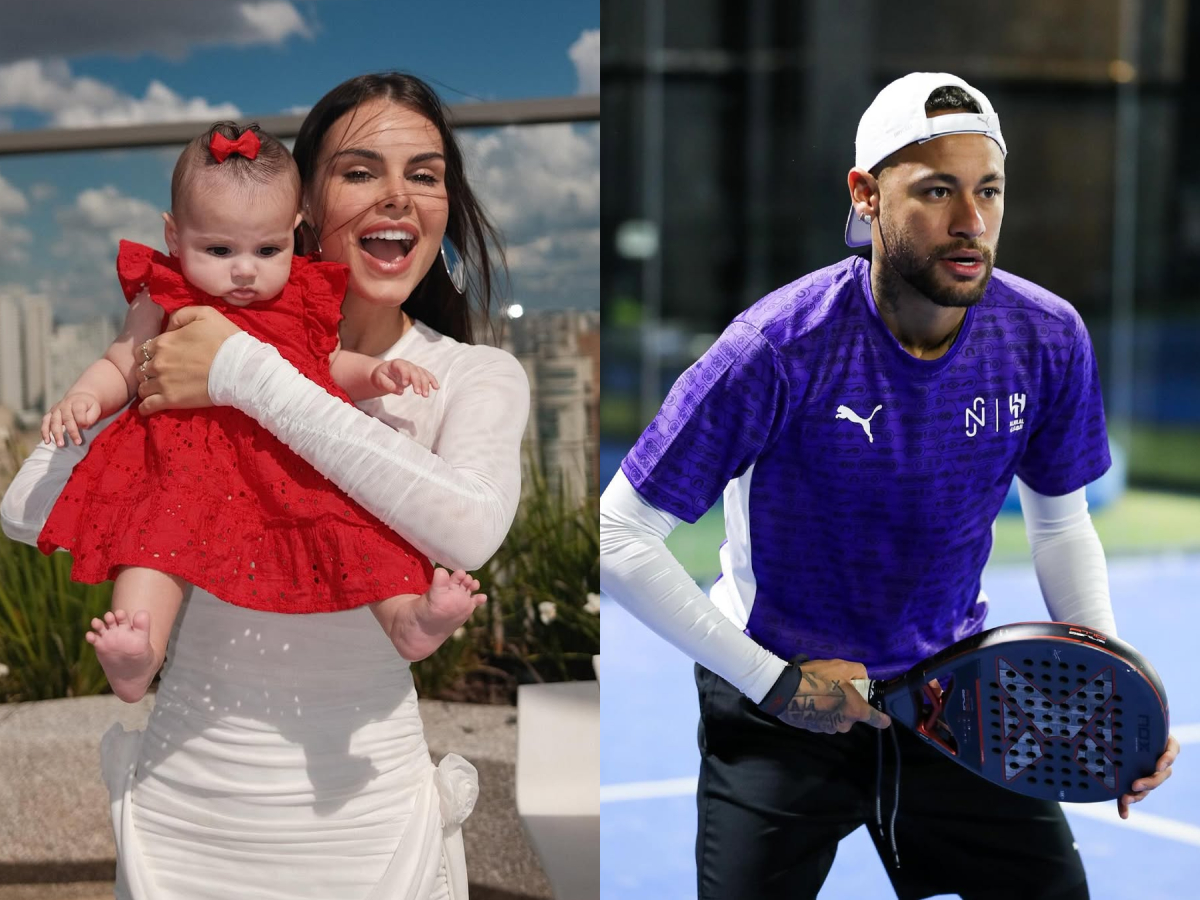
x,y
774,801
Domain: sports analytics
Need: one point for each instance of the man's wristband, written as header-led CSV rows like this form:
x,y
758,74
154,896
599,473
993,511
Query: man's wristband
x,y
782,691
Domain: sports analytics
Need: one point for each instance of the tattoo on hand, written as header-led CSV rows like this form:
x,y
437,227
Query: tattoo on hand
x,y
817,705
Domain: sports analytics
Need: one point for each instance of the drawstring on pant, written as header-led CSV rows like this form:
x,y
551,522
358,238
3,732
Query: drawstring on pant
x,y
896,799
891,835
878,781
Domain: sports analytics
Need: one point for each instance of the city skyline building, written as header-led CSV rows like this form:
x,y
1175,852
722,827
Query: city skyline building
x,y
69,350
12,394
560,352
39,361
38,324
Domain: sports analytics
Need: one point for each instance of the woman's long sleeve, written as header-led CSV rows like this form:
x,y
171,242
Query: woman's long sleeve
x,y
454,503
35,488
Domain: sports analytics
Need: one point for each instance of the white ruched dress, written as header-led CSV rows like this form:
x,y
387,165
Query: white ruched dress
x,y
285,757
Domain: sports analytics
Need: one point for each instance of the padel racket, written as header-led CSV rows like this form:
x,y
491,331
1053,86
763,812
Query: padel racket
x,y
1046,709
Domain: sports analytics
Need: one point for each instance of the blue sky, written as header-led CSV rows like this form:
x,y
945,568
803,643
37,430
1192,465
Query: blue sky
x,y
145,60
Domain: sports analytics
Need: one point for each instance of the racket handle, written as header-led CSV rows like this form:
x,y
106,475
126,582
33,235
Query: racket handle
x,y
863,686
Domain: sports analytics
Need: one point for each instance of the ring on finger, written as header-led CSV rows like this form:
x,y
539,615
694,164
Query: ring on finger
x,y
146,352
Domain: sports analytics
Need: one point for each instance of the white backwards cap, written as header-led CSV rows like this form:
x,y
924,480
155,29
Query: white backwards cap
x,y
896,118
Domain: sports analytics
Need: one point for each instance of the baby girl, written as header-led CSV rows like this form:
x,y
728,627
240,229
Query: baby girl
x,y
208,497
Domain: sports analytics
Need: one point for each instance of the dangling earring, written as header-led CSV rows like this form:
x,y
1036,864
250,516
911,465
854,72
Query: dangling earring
x,y
455,267
306,236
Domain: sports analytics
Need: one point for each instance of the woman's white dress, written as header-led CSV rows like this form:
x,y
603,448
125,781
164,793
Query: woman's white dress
x,y
285,756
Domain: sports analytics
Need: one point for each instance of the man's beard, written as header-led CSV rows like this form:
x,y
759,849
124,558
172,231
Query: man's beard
x,y
920,271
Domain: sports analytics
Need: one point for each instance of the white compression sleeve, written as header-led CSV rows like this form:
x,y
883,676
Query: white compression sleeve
x,y
1068,558
639,572
455,505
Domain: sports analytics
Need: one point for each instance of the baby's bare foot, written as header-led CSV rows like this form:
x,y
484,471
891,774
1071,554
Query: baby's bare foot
x,y
123,648
437,614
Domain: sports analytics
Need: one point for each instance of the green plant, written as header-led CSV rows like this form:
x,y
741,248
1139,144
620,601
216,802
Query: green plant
x,y
542,577
43,618
435,675
541,622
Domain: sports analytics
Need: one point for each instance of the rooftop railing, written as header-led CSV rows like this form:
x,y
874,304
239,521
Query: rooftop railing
x,y
540,111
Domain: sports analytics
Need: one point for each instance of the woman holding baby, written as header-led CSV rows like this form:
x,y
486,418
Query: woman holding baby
x,y
285,755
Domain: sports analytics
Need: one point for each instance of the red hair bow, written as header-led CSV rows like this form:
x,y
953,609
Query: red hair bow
x,y
222,147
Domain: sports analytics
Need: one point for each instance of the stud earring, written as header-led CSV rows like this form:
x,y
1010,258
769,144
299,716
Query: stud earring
x,y
455,267
865,217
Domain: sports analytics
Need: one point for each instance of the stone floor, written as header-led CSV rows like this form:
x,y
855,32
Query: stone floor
x,y
56,827
83,890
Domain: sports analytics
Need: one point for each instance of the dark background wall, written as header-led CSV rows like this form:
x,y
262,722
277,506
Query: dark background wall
x,y
729,127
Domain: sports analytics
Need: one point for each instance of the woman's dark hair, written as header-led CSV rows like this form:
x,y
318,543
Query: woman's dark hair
x,y
434,301
197,161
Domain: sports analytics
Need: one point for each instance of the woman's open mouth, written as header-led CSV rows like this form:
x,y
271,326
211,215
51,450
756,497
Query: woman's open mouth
x,y
388,245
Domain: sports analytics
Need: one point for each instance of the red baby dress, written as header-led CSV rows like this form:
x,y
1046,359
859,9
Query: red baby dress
x,y
212,496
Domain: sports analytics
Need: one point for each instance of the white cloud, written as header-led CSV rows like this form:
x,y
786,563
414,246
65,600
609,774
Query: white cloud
x,y
48,85
560,269
78,294
107,208
585,54
538,177
160,104
69,101
541,185
94,225
67,28
12,201
41,191
271,22
13,240
82,278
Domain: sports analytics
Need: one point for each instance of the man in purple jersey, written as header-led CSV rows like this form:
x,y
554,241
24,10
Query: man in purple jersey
x,y
864,424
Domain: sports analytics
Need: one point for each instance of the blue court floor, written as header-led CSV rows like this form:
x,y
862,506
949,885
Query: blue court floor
x,y
649,758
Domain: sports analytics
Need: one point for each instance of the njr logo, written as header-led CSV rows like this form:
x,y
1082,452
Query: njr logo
x,y
976,416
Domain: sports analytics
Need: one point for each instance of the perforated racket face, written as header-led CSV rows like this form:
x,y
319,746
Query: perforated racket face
x,y
1054,722
1053,716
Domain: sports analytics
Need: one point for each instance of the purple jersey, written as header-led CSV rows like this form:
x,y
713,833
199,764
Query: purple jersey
x,y
861,483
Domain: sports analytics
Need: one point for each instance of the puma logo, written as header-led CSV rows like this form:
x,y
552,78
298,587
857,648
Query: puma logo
x,y
845,412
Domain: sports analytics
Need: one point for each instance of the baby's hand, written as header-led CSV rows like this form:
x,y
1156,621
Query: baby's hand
x,y
70,414
395,375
